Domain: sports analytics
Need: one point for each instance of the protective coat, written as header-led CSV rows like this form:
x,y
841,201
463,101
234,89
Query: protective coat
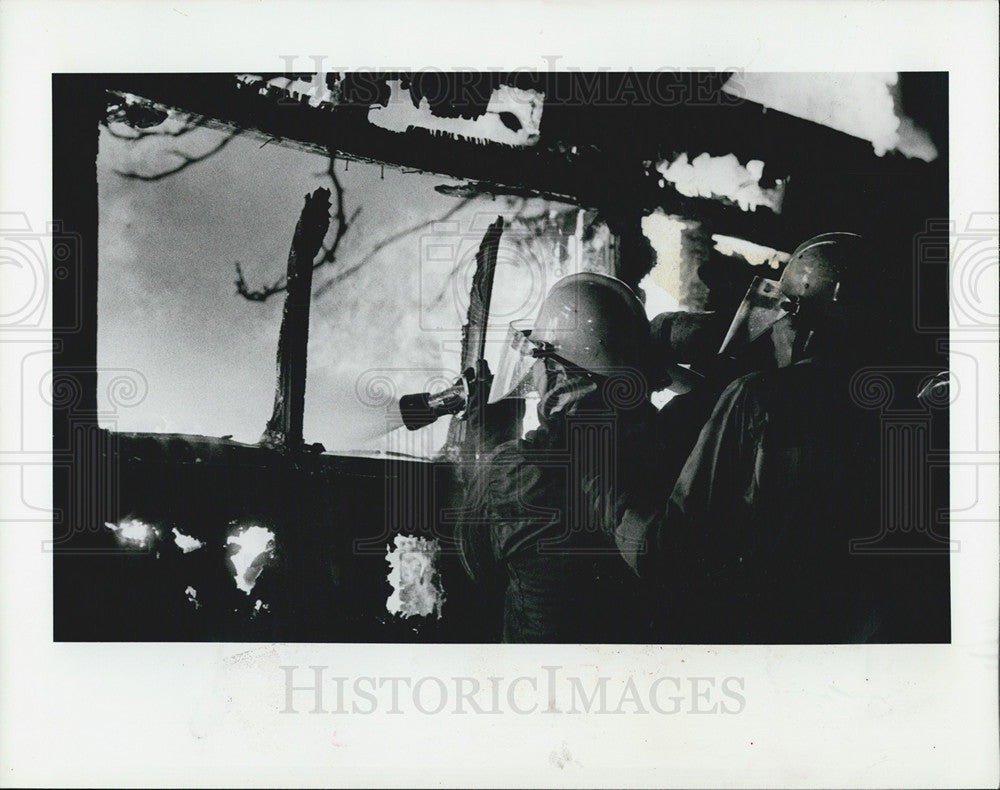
x,y
539,518
754,544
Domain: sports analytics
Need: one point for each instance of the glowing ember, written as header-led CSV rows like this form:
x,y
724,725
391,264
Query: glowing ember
x,y
133,532
186,543
192,596
723,177
416,586
255,547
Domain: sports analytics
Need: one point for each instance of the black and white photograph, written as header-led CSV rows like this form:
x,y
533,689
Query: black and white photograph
x,y
399,392
620,357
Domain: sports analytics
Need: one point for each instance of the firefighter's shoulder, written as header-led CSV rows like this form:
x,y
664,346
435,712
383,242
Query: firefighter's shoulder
x,y
516,467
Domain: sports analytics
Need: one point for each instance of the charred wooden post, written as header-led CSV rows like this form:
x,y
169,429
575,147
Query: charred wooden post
x,y
284,429
464,435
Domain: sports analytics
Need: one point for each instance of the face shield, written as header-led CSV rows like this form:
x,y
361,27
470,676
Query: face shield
x,y
520,353
532,367
762,307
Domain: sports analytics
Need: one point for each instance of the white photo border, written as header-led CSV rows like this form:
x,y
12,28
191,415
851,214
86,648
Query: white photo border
x,y
77,714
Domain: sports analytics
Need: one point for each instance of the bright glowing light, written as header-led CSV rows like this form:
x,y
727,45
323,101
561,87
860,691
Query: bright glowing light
x,y
754,254
192,596
186,543
413,574
723,177
658,300
133,532
862,104
513,116
665,236
255,547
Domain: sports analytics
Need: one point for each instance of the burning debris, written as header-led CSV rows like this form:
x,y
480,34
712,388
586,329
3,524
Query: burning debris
x,y
192,596
186,543
723,177
314,90
665,235
255,547
413,574
134,533
513,116
754,254
258,607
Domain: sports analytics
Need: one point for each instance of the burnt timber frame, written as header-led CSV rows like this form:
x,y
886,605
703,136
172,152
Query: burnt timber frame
x,y
598,155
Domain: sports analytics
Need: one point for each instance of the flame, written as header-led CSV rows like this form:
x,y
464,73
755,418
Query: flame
x,y
754,254
524,105
665,235
255,547
723,177
414,577
186,543
133,532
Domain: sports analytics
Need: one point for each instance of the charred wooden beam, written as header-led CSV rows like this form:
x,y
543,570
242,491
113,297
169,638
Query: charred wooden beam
x,y
598,146
581,148
284,429
465,436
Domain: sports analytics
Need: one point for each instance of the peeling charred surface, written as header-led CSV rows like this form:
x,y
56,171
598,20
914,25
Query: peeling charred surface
x,y
600,136
332,518
285,426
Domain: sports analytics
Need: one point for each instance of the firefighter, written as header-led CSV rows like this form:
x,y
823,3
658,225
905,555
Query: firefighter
x,y
754,543
540,512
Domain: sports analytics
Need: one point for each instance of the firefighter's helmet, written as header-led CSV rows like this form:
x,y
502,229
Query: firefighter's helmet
x,y
589,321
820,269
817,285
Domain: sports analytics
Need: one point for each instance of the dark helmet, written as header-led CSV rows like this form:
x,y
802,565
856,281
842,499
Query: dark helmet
x,y
820,286
821,278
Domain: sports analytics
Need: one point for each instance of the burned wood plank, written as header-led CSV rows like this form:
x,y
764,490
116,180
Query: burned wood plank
x,y
284,429
464,435
481,295
580,153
